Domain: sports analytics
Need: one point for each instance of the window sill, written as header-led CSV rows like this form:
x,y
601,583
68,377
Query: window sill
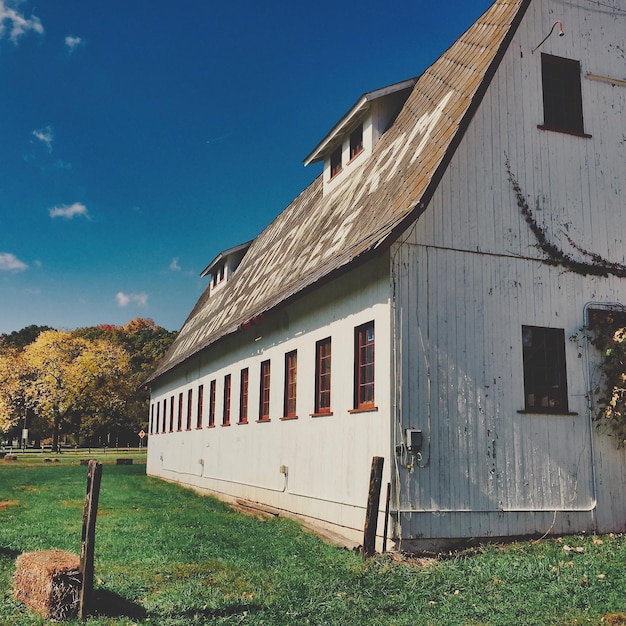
x,y
563,130
364,409
335,174
322,414
265,420
539,411
211,426
242,423
198,427
356,156
288,417
225,425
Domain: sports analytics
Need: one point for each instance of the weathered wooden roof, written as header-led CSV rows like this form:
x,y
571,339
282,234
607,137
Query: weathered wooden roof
x,y
318,235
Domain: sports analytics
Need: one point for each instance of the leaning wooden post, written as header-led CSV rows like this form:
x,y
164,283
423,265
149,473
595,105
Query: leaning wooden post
x,y
90,512
373,501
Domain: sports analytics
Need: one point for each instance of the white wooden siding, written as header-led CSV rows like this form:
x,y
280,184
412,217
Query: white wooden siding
x,y
329,457
469,275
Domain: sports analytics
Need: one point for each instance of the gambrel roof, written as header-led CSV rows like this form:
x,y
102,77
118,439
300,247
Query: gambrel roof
x,y
319,235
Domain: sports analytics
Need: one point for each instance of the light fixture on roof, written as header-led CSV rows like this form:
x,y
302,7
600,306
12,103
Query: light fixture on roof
x,y
561,33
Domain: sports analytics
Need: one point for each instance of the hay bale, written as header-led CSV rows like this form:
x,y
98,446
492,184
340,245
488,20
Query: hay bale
x,y
123,461
10,457
48,582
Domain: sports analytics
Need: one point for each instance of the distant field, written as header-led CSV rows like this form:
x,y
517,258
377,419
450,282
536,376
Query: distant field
x,y
70,456
166,556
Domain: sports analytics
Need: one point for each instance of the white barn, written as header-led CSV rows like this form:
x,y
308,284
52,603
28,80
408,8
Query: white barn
x,y
415,302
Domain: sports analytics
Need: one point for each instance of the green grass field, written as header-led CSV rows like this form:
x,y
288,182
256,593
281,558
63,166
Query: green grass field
x,y
167,556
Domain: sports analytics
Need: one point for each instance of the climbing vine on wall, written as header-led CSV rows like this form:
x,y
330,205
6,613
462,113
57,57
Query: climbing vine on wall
x,y
606,331
593,264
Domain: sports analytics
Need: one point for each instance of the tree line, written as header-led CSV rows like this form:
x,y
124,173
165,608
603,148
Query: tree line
x,y
83,387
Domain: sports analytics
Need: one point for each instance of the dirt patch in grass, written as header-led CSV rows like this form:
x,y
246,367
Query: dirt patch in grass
x,y
5,504
614,618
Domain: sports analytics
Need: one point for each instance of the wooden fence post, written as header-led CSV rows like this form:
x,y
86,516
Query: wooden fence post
x,y
90,512
373,501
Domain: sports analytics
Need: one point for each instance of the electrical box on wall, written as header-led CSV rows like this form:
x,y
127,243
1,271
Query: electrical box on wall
x,y
414,440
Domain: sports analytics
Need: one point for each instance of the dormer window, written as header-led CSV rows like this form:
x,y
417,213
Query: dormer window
x,y
356,141
358,132
335,162
224,265
218,274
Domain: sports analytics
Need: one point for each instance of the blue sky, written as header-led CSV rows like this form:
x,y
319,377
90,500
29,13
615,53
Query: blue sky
x,y
139,139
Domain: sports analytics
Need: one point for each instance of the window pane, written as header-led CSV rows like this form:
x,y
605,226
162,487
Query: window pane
x,y
291,375
545,376
562,96
200,406
226,408
212,404
364,366
322,376
264,404
243,398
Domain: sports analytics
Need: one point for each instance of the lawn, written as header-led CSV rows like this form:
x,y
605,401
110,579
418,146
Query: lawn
x,y
165,555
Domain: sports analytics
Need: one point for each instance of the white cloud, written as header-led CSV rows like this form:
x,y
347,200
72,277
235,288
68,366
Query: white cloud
x,y
73,42
174,266
45,135
13,22
68,211
124,299
10,262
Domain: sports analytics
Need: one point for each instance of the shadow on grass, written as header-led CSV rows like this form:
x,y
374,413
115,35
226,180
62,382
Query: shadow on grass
x,y
10,553
109,604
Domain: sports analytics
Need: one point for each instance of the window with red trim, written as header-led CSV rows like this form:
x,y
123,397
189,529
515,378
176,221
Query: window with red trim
x,y
364,366
264,395
356,141
226,408
243,397
322,375
291,382
180,411
189,408
165,415
335,162
212,404
200,406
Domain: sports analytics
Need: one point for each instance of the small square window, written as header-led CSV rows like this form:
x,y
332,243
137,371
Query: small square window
x,y
562,95
545,376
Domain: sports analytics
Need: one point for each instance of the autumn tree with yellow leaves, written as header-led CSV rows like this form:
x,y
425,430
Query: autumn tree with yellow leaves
x,y
87,383
61,377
